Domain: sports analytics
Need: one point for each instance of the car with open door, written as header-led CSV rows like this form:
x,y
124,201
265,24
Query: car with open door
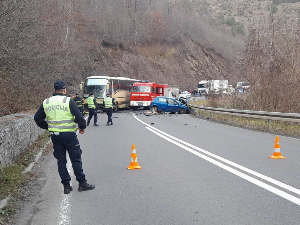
x,y
165,104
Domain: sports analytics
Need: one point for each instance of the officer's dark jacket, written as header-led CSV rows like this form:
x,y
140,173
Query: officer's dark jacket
x,y
78,101
40,115
96,104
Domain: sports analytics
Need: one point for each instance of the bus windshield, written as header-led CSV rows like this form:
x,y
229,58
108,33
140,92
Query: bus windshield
x,y
141,89
98,90
96,86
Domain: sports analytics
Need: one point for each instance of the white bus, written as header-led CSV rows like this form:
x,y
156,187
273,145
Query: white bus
x,y
118,87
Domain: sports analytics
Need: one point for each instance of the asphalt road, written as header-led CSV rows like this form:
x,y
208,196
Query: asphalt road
x,y
185,178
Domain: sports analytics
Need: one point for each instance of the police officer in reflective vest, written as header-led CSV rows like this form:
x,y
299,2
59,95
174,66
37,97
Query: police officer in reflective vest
x,y
108,106
62,114
79,103
92,107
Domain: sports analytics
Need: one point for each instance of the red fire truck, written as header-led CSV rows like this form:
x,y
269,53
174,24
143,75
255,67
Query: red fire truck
x,y
143,92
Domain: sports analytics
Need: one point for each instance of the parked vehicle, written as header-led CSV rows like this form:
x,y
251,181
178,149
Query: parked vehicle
x,y
117,87
185,94
164,104
143,92
212,86
183,101
242,86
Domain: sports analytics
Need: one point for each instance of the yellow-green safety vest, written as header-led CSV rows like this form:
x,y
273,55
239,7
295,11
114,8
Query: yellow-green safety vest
x,y
108,103
79,103
90,102
58,114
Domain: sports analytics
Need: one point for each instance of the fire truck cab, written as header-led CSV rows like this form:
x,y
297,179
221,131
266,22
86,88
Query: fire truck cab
x,y
144,92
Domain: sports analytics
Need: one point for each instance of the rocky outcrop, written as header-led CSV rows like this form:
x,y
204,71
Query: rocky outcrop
x,y
17,132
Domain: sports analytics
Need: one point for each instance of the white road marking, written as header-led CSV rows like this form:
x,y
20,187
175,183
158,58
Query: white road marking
x,y
231,170
196,151
269,179
65,205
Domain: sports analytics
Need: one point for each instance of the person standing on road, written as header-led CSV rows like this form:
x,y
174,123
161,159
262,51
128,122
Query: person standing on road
x,y
79,103
62,115
92,107
108,106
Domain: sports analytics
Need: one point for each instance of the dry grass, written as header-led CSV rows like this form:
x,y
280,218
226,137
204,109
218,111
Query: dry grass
x,y
286,128
156,50
11,177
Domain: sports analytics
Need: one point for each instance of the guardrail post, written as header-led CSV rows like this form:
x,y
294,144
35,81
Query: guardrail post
x,y
269,125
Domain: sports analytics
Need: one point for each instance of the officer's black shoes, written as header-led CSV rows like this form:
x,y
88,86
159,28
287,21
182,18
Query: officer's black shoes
x,y
67,189
107,124
85,187
112,123
87,124
96,125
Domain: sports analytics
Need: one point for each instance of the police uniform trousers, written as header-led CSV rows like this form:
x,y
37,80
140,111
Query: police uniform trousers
x,y
67,141
109,113
81,109
92,112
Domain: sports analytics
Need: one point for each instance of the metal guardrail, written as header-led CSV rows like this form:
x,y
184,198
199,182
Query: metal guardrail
x,y
287,117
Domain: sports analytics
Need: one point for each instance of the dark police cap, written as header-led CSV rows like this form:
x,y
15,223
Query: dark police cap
x,y
77,94
58,85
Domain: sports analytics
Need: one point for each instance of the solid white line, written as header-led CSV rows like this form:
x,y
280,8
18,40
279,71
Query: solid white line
x,y
266,178
231,170
65,205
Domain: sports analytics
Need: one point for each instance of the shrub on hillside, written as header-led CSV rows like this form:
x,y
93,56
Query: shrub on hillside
x,y
237,28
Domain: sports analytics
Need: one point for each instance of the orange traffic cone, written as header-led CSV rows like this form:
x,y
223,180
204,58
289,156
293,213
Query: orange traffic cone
x,y
134,163
277,153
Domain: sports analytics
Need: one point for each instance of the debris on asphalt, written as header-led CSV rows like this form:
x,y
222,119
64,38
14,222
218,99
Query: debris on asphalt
x,y
185,124
152,123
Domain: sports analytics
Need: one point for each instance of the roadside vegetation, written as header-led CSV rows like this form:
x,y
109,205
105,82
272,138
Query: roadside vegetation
x,y
41,42
278,127
12,180
174,42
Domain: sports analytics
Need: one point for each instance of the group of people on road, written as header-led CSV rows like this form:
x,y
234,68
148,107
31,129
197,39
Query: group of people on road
x,y
59,115
93,107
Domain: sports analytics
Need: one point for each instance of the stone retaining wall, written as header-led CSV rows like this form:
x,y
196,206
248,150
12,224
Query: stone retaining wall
x,y
17,132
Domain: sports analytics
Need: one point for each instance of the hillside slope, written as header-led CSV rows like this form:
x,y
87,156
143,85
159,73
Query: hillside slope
x,y
69,40
167,41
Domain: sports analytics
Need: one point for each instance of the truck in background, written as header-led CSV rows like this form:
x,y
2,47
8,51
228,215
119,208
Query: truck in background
x,y
212,86
242,86
144,92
